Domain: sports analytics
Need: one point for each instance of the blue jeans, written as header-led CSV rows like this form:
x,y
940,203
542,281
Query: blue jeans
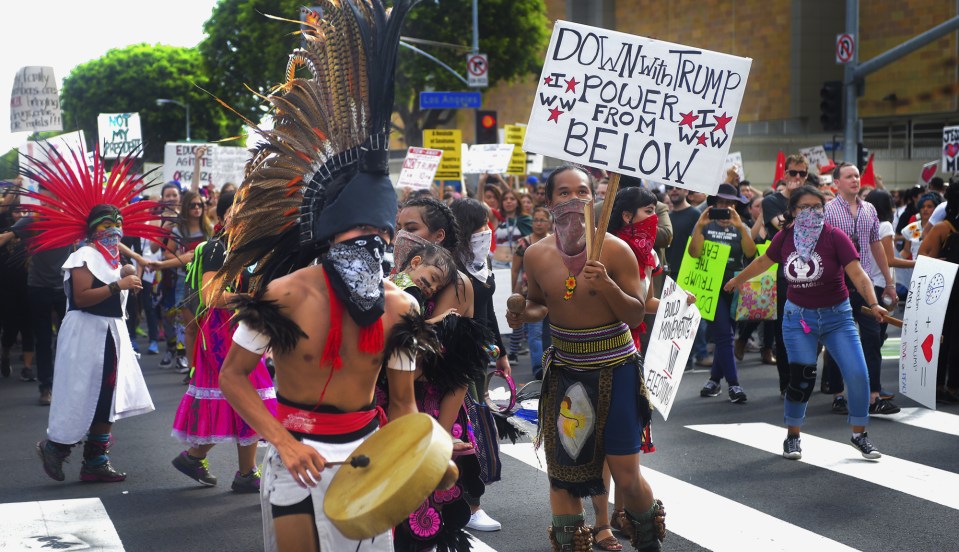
x,y
871,335
534,337
834,327
724,362
699,342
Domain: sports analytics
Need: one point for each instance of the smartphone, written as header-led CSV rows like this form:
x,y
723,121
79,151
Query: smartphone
x,y
716,213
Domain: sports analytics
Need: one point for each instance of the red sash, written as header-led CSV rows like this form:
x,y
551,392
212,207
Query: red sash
x,y
326,423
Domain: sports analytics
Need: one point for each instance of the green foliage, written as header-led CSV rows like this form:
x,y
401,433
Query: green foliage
x,y
9,165
131,79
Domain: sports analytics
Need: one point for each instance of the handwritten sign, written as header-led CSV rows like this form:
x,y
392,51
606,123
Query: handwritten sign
x,y
178,161
450,141
637,106
34,101
488,158
419,168
229,165
925,312
670,344
928,171
816,156
734,161
703,277
120,134
950,149
56,151
516,135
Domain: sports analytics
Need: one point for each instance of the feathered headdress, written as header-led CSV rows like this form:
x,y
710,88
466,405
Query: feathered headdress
x,y
75,190
323,168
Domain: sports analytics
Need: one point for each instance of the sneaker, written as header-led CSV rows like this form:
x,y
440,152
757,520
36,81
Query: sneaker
x,y
181,365
46,397
104,473
136,348
882,406
249,483
705,361
27,375
480,521
711,389
736,394
864,446
153,349
197,469
839,405
140,332
791,448
53,458
167,360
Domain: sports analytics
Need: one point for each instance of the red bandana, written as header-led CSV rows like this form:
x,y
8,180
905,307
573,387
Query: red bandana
x,y
641,236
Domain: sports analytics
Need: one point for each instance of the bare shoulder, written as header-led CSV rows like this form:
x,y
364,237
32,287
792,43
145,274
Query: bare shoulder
x,y
614,249
539,249
398,302
296,288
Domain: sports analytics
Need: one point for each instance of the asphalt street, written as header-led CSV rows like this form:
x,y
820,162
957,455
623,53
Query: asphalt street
x,y
718,470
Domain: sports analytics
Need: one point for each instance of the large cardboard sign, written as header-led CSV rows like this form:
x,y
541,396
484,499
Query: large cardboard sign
x,y
229,165
119,133
637,106
57,151
670,344
703,277
950,149
734,161
488,158
516,135
928,171
419,168
178,161
925,312
816,156
450,141
34,101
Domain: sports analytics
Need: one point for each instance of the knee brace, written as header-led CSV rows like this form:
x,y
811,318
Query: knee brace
x,y
802,380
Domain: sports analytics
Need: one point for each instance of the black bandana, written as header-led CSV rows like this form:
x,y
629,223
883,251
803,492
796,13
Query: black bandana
x,y
354,269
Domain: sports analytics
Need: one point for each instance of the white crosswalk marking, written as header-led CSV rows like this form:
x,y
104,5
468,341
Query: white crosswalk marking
x,y
924,418
79,524
480,546
691,514
919,480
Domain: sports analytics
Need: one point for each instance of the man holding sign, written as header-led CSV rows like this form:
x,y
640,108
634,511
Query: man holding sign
x,y
592,373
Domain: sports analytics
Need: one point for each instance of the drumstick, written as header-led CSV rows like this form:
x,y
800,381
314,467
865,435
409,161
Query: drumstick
x,y
611,190
894,321
360,461
590,231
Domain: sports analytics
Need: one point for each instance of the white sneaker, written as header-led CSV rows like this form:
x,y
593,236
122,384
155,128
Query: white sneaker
x,y
480,521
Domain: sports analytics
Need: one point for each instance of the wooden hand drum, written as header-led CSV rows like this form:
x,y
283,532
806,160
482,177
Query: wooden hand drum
x,y
409,458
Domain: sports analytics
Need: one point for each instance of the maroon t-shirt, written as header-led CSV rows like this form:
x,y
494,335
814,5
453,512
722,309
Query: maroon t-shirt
x,y
820,282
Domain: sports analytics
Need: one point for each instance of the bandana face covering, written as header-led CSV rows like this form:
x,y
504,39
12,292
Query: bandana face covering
x,y
480,243
640,236
403,244
107,242
569,223
354,270
806,231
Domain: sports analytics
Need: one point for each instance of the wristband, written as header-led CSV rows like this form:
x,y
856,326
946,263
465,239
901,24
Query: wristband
x,y
873,305
114,288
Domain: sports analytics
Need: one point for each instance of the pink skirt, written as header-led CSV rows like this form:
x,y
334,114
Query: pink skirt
x,y
204,416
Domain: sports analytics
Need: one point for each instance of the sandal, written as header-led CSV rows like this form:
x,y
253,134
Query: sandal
x,y
619,523
610,542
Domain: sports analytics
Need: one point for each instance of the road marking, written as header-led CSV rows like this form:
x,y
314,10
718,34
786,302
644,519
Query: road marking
x,y
890,349
918,480
78,524
692,514
478,545
924,418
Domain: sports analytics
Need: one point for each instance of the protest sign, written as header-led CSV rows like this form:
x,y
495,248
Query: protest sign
x,y
734,160
488,158
419,168
816,156
922,320
703,277
761,250
448,140
670,344
119,133
950,150
637,106
55,151
928,171
516,134
178,163
34,101
229,165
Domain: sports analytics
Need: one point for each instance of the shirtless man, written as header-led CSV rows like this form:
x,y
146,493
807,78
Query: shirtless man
x,y
592,372
317,402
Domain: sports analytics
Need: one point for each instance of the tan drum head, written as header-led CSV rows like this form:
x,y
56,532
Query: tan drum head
x,y
408,458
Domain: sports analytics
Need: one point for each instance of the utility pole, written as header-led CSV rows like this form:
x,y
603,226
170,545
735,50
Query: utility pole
x,y
475,26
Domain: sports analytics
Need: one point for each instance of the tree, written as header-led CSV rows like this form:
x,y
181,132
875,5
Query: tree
x,y
245,48
131,79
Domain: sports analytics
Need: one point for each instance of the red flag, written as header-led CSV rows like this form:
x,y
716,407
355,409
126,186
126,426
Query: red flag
x,y
780,167
868,177
827,168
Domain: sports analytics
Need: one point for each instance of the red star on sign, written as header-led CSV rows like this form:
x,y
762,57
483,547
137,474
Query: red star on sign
x,y
721,122
688,119
701,138
571,85
554,115
548,80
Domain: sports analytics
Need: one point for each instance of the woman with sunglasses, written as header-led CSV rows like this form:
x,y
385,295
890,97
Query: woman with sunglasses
x,y
814,258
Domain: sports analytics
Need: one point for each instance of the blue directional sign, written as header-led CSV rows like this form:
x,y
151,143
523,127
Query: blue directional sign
x,y
450,100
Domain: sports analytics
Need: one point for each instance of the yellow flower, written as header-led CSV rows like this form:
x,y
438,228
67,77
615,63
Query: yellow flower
x,y
571,282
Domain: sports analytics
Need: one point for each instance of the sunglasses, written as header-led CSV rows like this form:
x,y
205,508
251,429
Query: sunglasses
x,y
794,173
196,205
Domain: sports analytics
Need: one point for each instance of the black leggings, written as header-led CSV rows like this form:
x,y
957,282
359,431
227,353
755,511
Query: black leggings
x,y
15,319
108,382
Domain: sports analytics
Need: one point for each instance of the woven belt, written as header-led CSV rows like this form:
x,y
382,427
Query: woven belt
x,y
593,347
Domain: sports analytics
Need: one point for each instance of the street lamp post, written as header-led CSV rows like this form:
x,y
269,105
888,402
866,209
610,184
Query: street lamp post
x,y
185,106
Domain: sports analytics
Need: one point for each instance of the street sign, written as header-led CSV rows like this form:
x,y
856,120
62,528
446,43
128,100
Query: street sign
x,y
450,100
845,48
477,70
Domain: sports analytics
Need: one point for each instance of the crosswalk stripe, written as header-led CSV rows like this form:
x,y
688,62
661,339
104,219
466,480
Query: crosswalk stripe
x,y
918,480
478,545
692,514
77,524
924,418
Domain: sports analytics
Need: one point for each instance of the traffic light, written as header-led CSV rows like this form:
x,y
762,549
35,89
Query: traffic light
x,y
487,127
862,156
830,106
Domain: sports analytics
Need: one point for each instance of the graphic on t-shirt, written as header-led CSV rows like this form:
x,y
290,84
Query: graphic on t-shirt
x,y
802,273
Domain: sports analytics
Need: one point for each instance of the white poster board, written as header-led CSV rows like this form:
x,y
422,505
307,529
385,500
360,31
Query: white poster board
x,y
45,151
637,106
419,168
734,160
34,100
670,343
816,156
925,312
488,158
928,171
950,150
119,133
229,165
178,163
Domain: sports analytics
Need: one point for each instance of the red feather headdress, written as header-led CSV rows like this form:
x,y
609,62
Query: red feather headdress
x,y
62,217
